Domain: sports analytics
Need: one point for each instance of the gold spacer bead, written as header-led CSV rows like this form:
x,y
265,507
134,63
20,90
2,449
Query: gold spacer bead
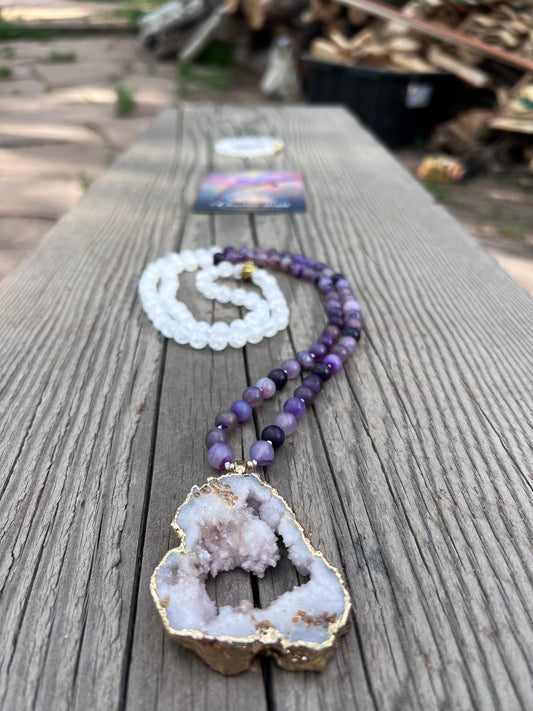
x,y
241,467
248,268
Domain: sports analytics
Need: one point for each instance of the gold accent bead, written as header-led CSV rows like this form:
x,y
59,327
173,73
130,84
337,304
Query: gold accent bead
x,y
248,268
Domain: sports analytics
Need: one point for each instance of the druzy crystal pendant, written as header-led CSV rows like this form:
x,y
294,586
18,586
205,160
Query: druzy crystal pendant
x,y
234,521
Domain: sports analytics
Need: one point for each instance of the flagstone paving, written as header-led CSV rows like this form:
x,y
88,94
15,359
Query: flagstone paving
x,y
59,131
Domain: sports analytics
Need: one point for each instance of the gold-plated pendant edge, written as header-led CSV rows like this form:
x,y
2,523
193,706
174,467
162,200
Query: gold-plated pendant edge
x,y
232,655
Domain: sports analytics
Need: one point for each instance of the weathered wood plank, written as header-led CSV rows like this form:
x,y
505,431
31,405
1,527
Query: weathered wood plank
x,y
194,389
412,472
79,392
438,432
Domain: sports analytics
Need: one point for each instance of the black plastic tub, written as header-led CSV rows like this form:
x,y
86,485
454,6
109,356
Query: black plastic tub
x,y
399,107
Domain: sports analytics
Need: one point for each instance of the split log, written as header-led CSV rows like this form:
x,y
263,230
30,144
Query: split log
x,y
471,75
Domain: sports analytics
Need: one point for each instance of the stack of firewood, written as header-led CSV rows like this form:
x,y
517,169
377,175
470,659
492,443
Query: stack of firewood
x,y
487,44
408,45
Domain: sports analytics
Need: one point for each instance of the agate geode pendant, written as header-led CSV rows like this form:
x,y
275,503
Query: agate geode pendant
x,y
235,521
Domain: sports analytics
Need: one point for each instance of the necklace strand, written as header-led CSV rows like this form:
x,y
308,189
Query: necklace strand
x,y
324,358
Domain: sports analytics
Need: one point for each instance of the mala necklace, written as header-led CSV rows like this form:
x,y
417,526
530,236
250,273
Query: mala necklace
x,y
237,519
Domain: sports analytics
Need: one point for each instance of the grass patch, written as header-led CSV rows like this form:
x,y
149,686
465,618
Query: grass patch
x,y
131,14
125,103
11,30
440,191
189,76
7,52
61,58
514,229
6,72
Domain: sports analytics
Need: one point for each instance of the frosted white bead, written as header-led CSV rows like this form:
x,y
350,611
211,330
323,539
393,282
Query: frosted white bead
x,y
224,294
220,328
225,269
239,297
203,257
198,341
210,291
237,340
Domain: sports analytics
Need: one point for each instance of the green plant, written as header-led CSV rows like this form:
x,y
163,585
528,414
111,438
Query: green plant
x,y
85,180
7,52
125,100
61,58
6,72
218,53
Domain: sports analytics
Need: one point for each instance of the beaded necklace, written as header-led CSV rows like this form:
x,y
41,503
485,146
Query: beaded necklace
x,y
235,520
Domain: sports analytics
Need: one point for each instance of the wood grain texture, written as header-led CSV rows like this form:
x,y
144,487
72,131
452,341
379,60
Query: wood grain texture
x,y
412,472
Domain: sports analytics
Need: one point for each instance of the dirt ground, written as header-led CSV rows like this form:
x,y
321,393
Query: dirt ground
x,y
59,131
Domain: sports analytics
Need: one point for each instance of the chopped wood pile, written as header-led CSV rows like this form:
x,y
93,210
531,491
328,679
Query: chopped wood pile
x,y
486,44
428,36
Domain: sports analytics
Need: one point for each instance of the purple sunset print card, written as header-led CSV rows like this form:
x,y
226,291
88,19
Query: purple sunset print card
x,y
251,191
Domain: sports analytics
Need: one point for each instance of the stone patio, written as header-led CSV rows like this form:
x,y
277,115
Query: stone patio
x,y
59,131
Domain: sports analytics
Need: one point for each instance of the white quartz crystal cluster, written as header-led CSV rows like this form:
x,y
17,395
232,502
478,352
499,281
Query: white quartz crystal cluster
x,y
234,521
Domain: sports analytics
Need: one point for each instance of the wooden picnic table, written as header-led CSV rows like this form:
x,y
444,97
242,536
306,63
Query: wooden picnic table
x,y
412,472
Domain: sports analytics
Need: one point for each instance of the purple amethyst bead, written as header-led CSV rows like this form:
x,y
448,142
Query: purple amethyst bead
x,y
305,359
273,434
313,382
261,258
227,420
245,253
305,393
332,330
342,284
216,436
333,361
292,368
349,343
287,422
325,285
334,303
336,321
262,452
218,455
267,387
327,340
285,264
273,260
353,322
319,350
253,395
350,305
295,407
297,269
242,409
341,351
